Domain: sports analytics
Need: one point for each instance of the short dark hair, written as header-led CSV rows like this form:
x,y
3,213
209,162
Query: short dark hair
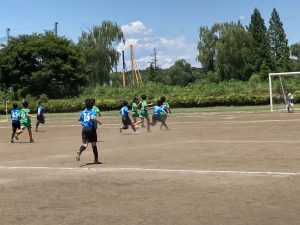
x,y
135,99
125,103
159,103
88,103
25,104
93,101
40,102
144,97
163,98
15,105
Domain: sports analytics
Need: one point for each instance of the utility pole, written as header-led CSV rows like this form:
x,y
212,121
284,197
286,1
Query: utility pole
x,y
7,34
55,28
155,58
123,72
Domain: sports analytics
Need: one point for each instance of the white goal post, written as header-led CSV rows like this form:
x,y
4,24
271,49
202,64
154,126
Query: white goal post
x,y
270,83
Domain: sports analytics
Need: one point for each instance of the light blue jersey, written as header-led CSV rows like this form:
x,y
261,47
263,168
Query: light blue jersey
x,y
41,110
15,115
86,117
124,111
157,110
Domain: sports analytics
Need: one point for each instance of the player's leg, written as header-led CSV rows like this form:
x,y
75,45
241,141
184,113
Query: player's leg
x,y
95,152
163,122
37,123
163,118
85,142
148,123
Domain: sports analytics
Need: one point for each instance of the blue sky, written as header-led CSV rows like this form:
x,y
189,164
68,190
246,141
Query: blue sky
x,y
170,26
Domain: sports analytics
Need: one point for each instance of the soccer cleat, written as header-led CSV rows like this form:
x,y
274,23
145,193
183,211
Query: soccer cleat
x,y
136,132
16,137
31,141
97,162
120,130
11,141
78,156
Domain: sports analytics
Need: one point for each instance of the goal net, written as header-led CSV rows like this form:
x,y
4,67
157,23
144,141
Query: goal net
x,y
284,89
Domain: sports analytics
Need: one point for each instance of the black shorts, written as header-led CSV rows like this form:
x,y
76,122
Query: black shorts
x,y
40,119
155,118
89,134
15,125
126,121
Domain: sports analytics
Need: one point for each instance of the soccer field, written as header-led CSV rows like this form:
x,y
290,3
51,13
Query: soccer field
x,y
210,168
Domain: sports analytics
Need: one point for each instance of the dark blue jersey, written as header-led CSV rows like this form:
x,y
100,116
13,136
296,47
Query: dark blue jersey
x,y
86,117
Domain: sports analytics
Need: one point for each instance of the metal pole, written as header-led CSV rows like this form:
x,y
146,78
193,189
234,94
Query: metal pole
x,y
55,28
7,33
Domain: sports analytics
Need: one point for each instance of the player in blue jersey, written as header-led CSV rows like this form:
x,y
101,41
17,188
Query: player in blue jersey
x,y
15,119
166,107
158,111
89,120
40,117
124,111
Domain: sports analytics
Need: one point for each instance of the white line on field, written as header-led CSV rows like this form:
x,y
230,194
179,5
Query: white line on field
x,y
141,170
242,141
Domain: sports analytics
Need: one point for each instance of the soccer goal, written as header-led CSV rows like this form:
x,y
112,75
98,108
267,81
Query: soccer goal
x,y
282,88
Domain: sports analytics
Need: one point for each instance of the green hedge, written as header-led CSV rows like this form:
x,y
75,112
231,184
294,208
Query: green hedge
x,y
232,93
77,104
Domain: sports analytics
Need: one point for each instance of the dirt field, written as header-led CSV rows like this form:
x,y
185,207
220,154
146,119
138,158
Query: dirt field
x,y
210,169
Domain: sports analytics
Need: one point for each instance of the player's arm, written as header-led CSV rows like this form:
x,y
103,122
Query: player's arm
x,y
96,120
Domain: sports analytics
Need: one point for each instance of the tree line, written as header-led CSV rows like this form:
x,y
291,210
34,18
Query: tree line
x,y
47,64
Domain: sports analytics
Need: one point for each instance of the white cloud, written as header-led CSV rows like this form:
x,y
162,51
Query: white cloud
x,y
144,40
242,17
136,27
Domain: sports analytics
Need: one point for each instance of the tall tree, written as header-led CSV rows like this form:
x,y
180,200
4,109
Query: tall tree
x,y
231,52
42,63
280,53
99,47
295,52
259,51
207,48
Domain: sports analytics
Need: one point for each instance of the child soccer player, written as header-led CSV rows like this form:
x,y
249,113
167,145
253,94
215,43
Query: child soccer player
x,y
289,101
144,112
134,110
25,121
15,118
157,114
40,118
126,119
166,107
88,120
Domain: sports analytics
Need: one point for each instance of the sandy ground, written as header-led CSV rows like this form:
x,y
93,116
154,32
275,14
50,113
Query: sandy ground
x,y
238,168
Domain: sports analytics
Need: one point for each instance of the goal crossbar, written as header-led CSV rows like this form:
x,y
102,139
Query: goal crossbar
x,y
270,83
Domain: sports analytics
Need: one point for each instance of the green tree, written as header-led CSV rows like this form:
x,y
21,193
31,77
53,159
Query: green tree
x,y
207,48
42,63
181,73
99,47
295,52
280,53
231,52
259,48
